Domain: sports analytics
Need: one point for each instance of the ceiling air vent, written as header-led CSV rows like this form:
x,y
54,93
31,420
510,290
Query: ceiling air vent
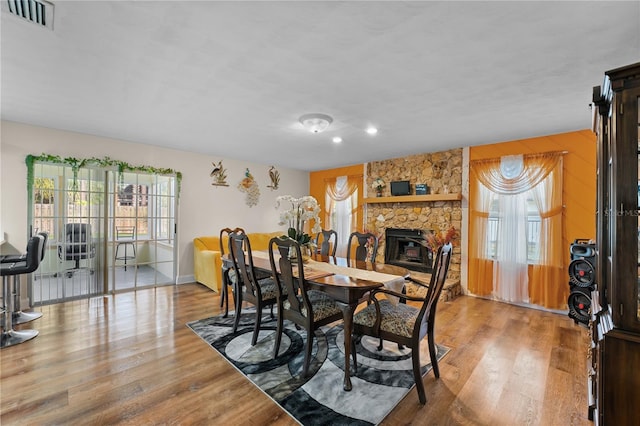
x,y
35,11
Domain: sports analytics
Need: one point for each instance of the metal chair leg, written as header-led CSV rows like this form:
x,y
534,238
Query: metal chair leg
x,y
10,336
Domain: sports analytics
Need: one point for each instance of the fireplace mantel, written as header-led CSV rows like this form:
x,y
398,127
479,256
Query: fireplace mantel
x,y
413,198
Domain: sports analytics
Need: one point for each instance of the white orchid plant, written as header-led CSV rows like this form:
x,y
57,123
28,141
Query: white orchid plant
x,y
302,209
378,184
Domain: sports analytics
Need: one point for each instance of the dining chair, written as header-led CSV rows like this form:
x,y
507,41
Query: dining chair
x,y
328,244
248,287
366,249
228,274
227,281
406,324
306,308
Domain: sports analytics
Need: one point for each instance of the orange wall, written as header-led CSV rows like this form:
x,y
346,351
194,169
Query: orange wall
x,y
579,193
317,188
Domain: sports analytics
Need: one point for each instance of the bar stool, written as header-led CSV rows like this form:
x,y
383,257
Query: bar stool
x,y
9,336
20,317
125,238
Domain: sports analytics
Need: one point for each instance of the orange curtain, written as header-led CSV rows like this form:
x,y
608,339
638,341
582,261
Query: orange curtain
x,y
547,282
543,175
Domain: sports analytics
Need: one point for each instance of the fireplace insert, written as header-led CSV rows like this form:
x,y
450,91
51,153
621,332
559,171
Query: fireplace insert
x,y
408,248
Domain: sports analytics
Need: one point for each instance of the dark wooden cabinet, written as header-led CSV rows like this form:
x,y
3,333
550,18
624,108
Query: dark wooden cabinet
x,y
615,312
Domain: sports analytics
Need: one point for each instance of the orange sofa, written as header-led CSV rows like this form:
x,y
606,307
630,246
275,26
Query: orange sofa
x,y
207,263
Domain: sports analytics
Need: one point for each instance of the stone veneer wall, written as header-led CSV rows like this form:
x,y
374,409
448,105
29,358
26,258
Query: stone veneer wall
x,y
442,172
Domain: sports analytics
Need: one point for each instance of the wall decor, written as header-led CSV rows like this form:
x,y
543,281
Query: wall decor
x,y
274,175
219,174
439,168
249,185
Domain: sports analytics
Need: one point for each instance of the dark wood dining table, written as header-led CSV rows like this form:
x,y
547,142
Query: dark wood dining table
x,y
344,289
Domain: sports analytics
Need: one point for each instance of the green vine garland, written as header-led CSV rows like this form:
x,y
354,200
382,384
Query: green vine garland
x,y
76,164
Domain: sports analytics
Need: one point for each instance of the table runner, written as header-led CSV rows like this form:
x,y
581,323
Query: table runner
x,y
312,267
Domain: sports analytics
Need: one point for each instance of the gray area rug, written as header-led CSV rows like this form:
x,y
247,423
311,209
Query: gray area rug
x,y
383,377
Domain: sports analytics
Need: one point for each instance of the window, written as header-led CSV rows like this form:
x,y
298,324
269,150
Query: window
x,y
132,207
531,217
131,195
44,210
341,201
163,211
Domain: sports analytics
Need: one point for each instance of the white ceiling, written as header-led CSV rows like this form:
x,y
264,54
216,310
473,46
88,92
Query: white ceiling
x,y
230,79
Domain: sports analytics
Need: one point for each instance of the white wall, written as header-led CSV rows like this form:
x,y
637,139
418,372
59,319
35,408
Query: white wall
x,y
204,209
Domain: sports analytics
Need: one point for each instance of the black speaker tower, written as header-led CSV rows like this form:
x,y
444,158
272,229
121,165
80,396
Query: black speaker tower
x,y
582,275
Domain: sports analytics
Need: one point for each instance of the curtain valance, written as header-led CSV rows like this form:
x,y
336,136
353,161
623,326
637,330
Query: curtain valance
x,y
342,192
535,168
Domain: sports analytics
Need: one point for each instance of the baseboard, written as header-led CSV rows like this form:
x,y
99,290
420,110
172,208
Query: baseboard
x,y
185,279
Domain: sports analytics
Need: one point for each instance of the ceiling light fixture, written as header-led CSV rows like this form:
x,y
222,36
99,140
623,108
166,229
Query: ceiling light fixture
x,y
372,130
337,139
316,123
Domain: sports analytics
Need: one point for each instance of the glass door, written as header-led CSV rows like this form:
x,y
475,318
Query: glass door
x,y
141,228
69,206
108,231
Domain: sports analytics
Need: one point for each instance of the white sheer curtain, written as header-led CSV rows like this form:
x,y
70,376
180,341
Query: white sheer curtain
x,y
511,280
342,223
513,182
342,204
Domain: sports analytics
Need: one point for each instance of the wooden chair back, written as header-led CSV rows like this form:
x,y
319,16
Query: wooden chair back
x,y
427,314
224,232
366,248
324,244
290,276
241,258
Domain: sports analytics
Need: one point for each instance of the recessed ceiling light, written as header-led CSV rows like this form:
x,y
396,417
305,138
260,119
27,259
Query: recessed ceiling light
x,y
372,130
337,139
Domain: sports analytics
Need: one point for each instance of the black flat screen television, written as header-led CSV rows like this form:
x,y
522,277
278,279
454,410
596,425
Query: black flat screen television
x,y
400,187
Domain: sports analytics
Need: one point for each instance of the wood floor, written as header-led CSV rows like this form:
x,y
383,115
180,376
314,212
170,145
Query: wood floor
x,y
130,359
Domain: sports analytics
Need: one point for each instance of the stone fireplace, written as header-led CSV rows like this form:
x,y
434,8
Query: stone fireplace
x,y
442,172
407,248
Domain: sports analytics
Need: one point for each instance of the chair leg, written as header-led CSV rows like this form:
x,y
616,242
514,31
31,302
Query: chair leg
x,y
354,342
256,327
226,301
417,376
223,292
237,296
380,345
307,352
434,355
272,317
276,348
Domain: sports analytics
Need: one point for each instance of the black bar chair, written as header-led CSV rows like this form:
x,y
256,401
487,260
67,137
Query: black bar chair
x,y
18,316
9,336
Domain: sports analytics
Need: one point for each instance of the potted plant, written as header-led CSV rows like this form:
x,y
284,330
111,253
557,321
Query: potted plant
x,y
378,185
302,209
